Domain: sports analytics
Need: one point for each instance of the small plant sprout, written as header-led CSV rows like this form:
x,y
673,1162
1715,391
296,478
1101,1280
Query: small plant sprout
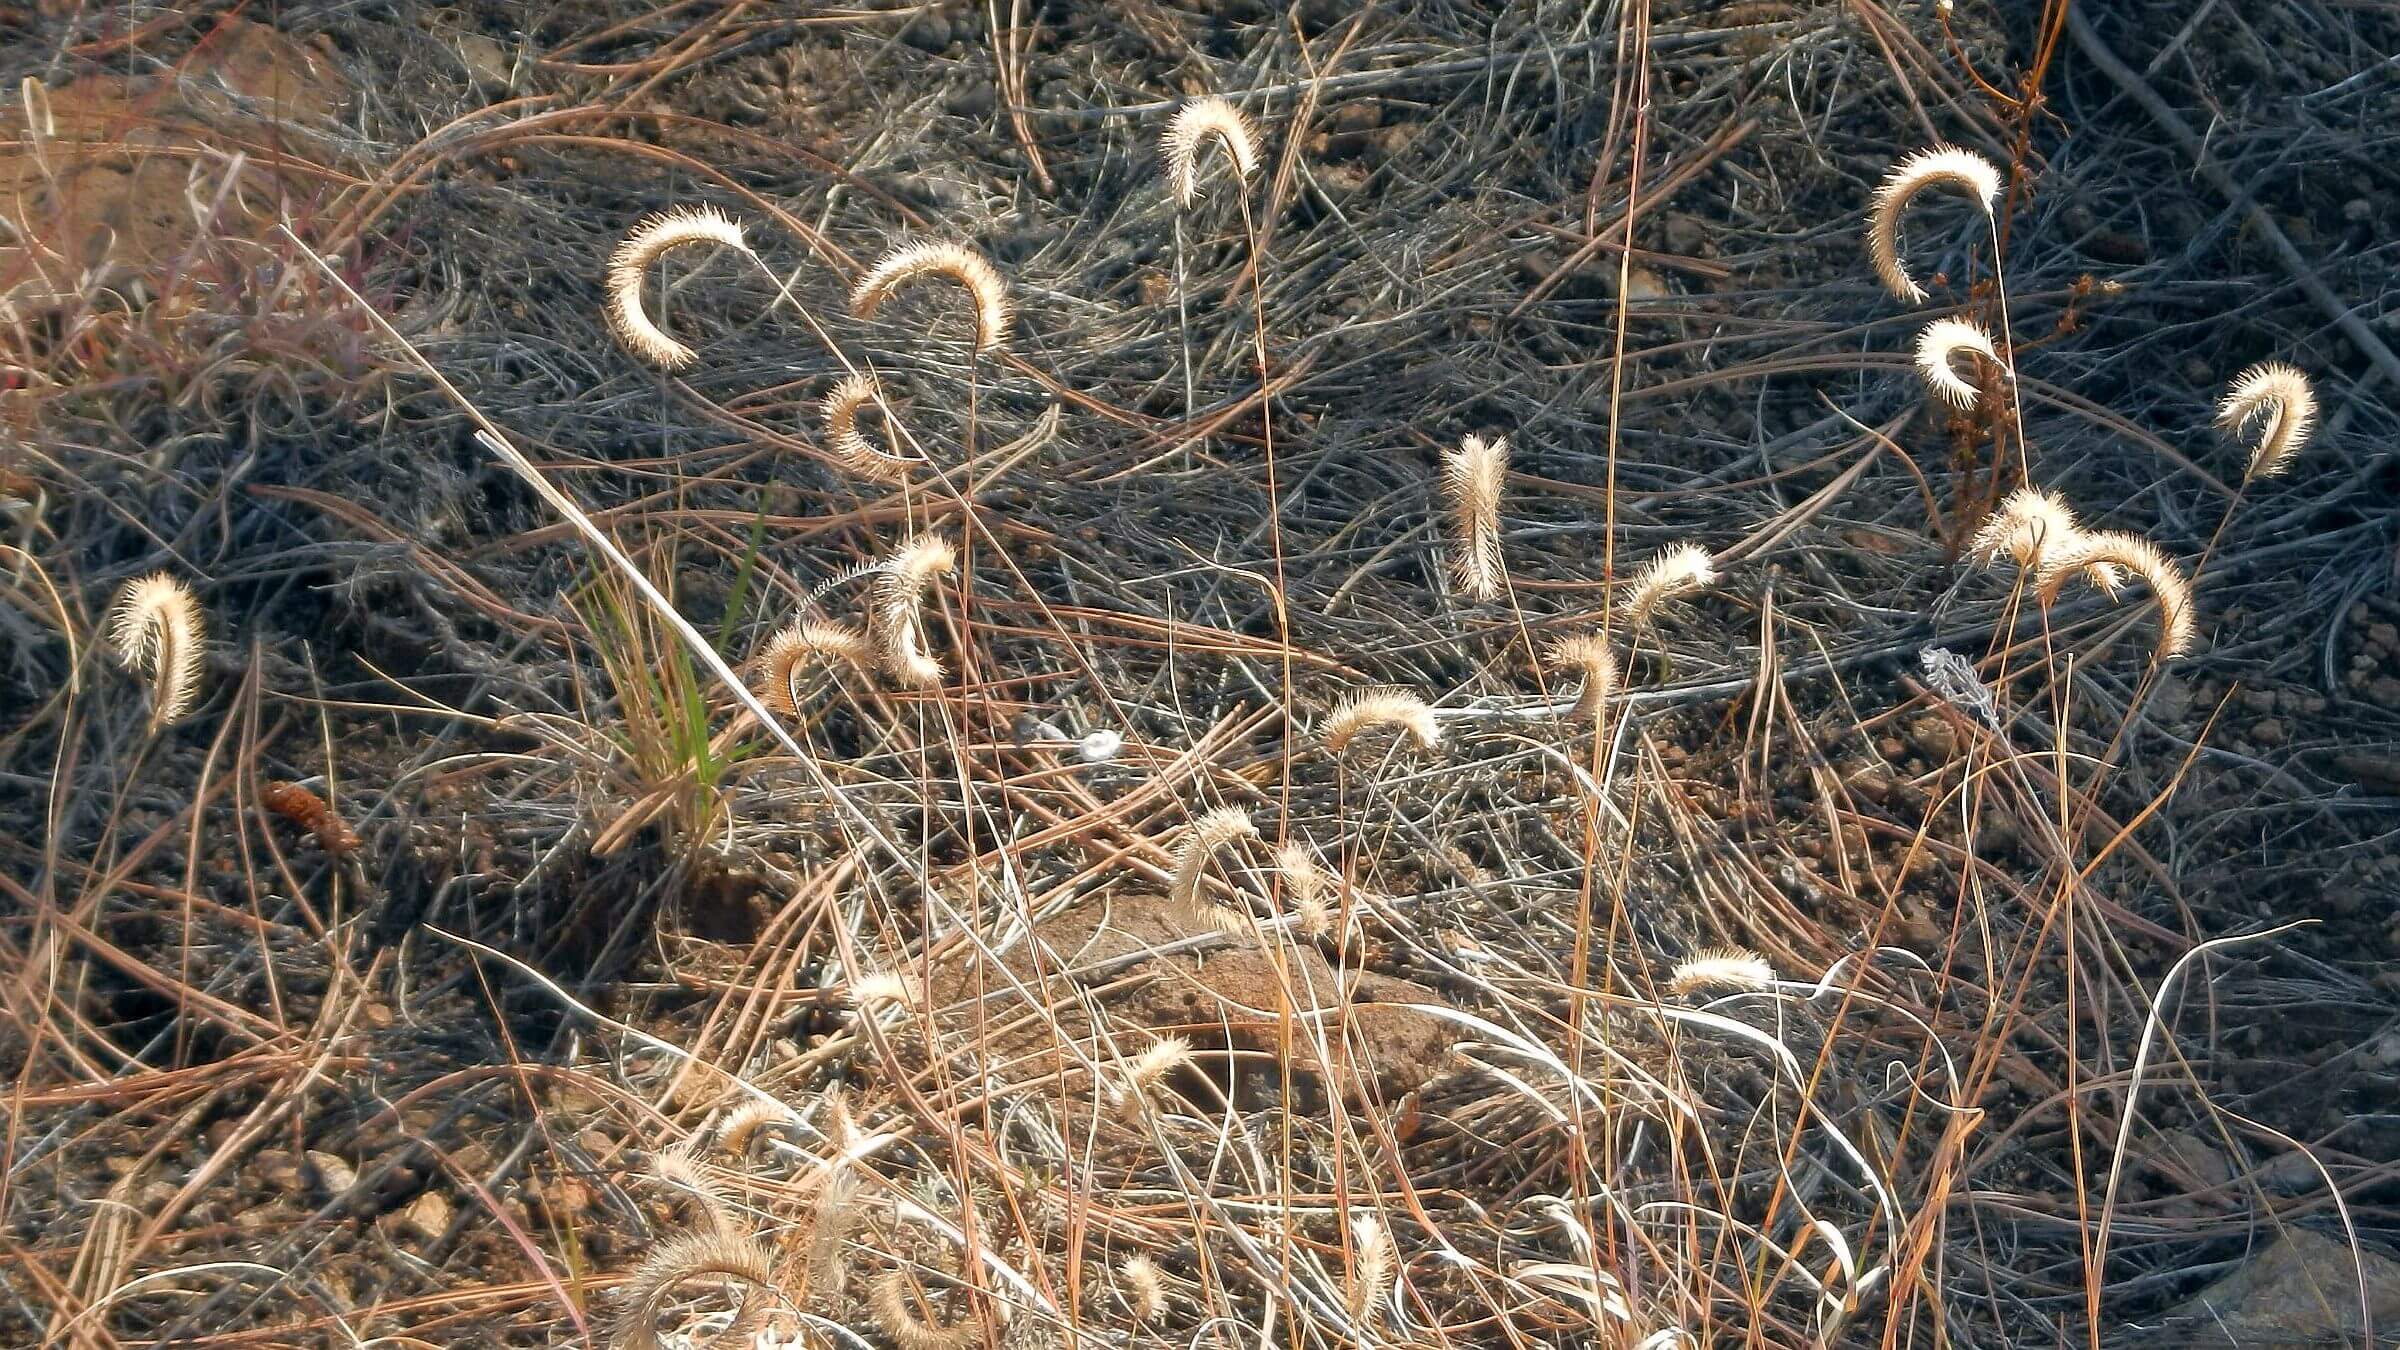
x,y
2280,395
1942,342
1587,655
1194,125
651,240
1722,968
909,263
1225,825
1369,709
156,630
895,609
1679,571
806,645
843,403
1471,481
1943,164
1144,1288
2103,555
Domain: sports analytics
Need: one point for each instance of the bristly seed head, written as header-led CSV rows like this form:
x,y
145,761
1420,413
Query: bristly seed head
x,y
909,263
1472,476
2280,394
1677,571
650,241
2033,526
895,609
2101,554
1588,655
1941,343
843,403
1194,125
1941,164
1202,837
157,631
1145,1288
1722,968
1367,709
803,646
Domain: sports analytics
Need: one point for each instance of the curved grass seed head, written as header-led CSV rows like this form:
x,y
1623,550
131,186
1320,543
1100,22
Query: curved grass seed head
x,y
651,240
2280,395
1193,127
1943,164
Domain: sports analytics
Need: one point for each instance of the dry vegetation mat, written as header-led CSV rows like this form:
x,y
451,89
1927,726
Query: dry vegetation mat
x,y
1215,674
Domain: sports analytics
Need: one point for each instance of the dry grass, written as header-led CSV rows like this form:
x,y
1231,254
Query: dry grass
x,y
1151,880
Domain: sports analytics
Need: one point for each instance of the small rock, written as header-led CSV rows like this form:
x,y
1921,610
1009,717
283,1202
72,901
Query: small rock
x,y
2384,691
2303,1290
1935,737
974,98
333,1175
2269,732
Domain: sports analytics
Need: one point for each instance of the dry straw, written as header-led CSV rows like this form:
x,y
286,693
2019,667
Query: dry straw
x,y
2103,555
1369,709
1942,342
1679,571
1194,125
895,609
156,630
842,405
1471,480
1587,654
2281,396
909,263
1943,164
651,240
